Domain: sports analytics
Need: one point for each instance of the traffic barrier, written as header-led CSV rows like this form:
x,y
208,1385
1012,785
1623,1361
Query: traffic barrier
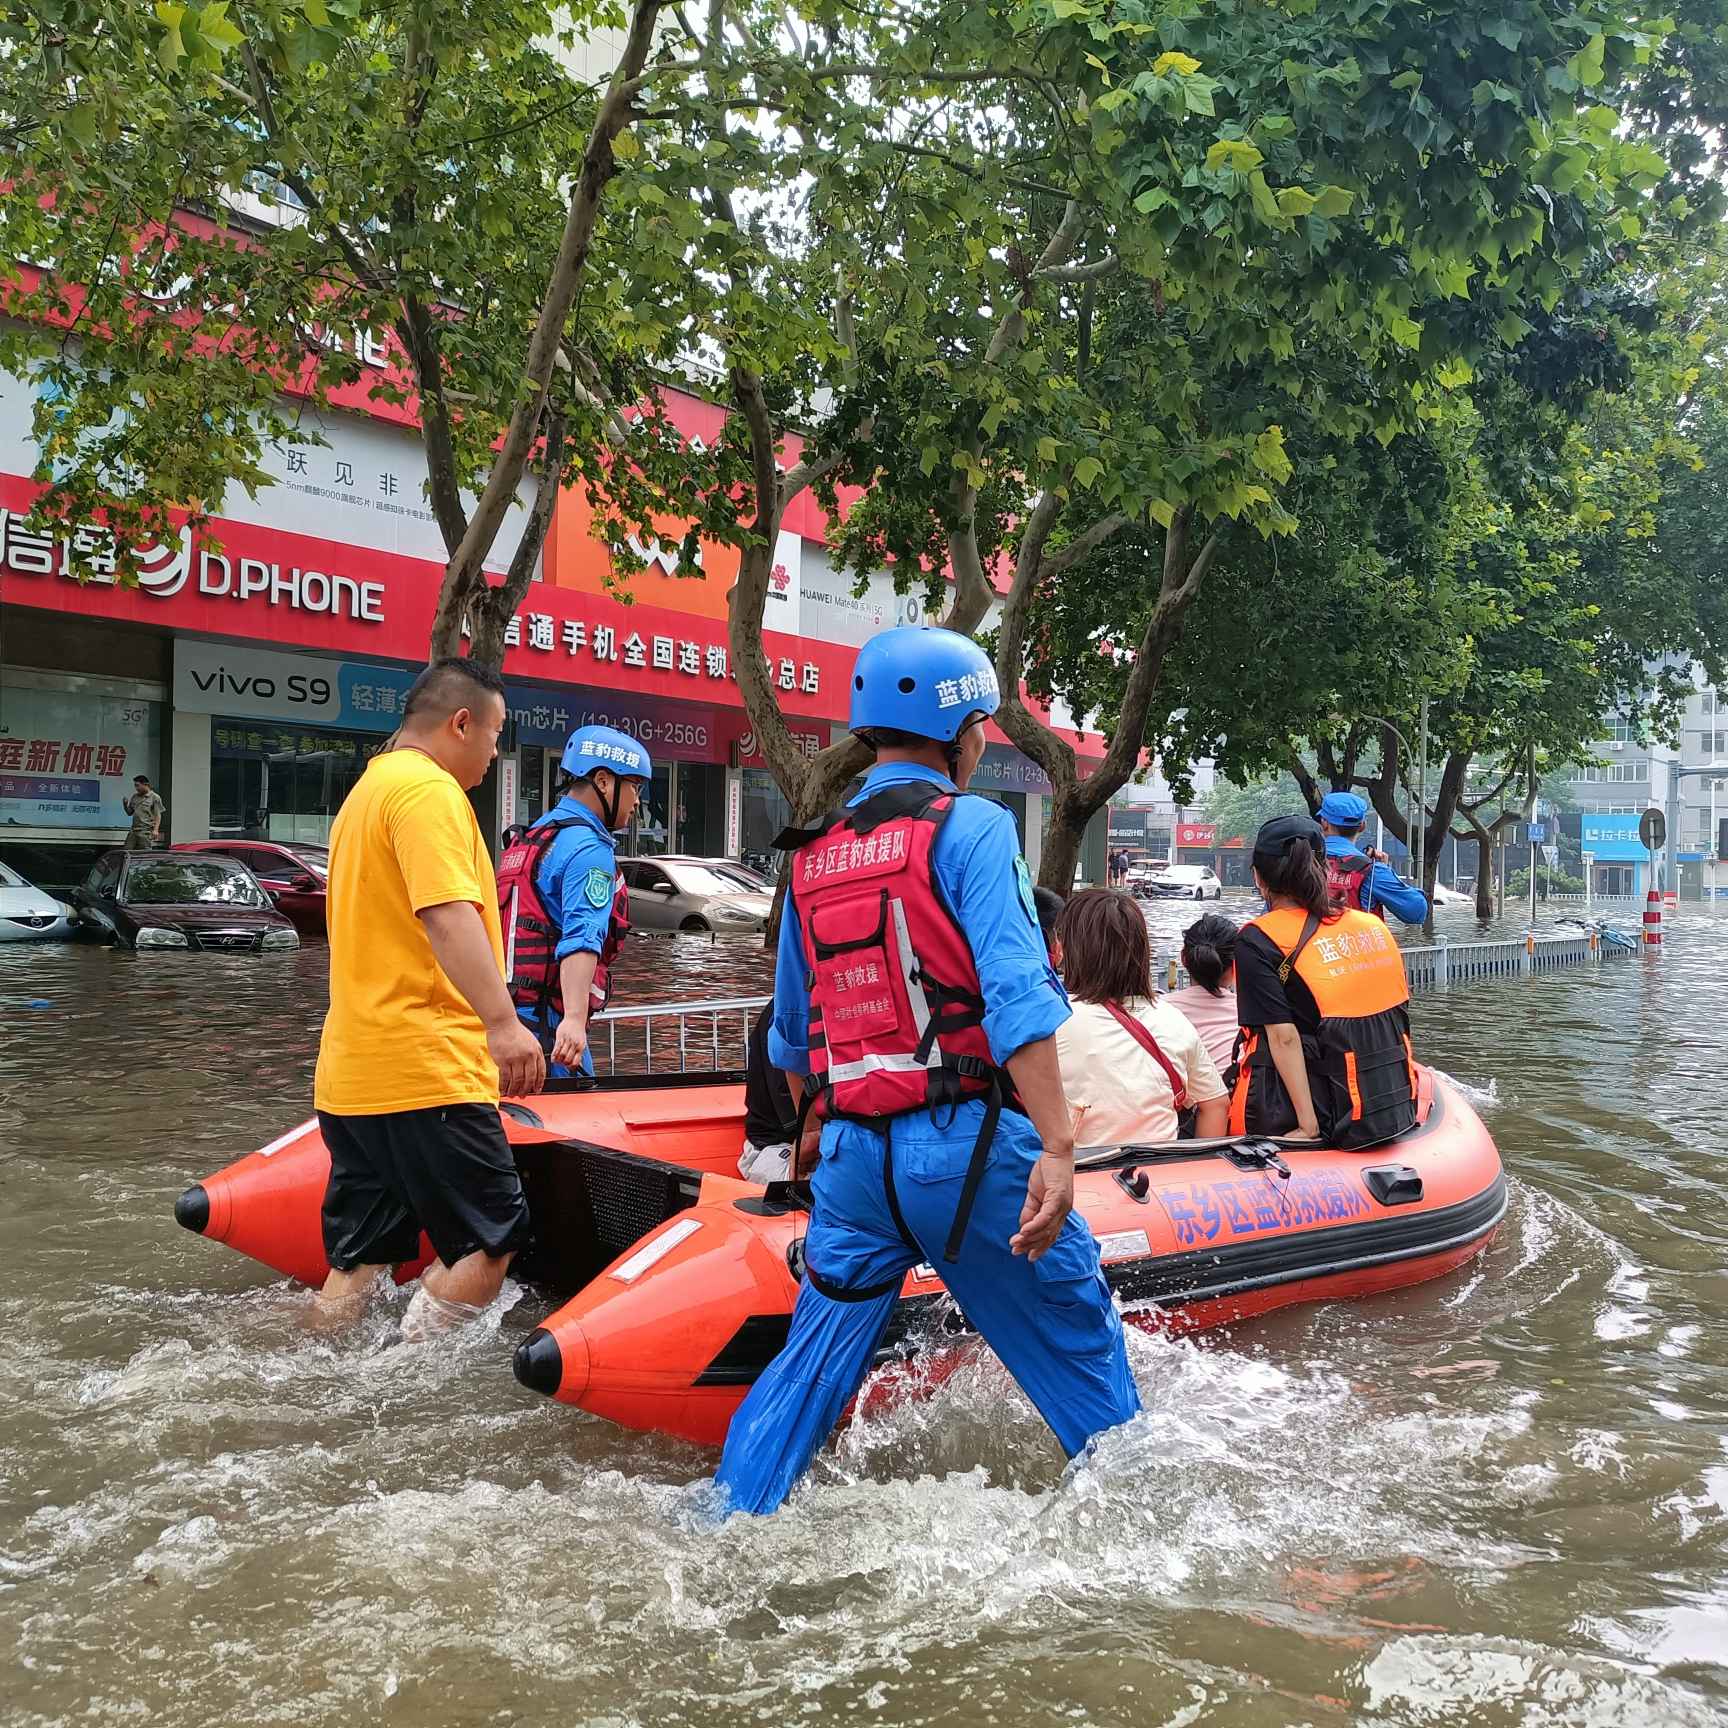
x,y
1653,920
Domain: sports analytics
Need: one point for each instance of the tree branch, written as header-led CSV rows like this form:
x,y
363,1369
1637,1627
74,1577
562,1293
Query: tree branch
x,y
1079,272
598,166
1084,545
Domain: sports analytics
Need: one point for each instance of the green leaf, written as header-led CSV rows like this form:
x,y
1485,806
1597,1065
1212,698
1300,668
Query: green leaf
x,y
1293,201
171,50
1047,448
1162,512
1087,470
1586,64
1197,93
1406,332
214,27
1183,65
1154,198
1407,81
1507,34
1265,205
626,145
1333,201
316,13
1236,153
928,458
1270,456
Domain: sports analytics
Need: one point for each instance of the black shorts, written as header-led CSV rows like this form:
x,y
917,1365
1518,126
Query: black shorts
x,y
447,1171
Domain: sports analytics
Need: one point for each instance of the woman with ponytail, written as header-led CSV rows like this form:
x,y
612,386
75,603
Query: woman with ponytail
x,y
1209,1002
1323,1004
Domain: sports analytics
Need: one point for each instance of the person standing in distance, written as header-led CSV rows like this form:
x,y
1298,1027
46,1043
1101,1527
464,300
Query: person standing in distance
x,y
1357,876
561,896
146,809
914,995
421,1035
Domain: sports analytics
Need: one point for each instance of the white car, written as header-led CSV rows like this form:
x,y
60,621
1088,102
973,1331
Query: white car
x,y
1444,896
1185,882
29,915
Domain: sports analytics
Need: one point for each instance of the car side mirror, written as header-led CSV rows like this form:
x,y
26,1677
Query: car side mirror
x,y
303,883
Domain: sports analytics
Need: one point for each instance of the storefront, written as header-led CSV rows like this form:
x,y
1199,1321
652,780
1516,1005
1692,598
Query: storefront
x,y
267,745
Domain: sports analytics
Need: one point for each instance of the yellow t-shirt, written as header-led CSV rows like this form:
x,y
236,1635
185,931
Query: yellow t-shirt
x,y
399,1035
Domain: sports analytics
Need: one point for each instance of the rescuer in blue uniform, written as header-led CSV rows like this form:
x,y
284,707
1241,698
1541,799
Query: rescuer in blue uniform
x,y
1354,875
562,901
913,991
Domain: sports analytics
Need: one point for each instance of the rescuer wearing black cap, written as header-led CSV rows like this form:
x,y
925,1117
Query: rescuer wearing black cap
x,y
1321,994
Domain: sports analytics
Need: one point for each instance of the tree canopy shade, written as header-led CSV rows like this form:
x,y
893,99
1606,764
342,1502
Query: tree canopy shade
x,y
1097,297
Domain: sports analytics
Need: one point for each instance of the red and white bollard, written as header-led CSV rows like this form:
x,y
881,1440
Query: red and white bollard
x,y
1653,920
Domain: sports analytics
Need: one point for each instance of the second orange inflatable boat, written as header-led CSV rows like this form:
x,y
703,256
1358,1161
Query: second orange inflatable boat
x,y
683,1276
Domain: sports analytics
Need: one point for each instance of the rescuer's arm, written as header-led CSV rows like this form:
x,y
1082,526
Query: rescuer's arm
x,y
582,927
464,951
991,894
575,977
1407,904
1050,1189
1285,1043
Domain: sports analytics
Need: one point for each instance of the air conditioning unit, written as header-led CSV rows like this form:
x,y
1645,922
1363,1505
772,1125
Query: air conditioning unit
x,y
1616,744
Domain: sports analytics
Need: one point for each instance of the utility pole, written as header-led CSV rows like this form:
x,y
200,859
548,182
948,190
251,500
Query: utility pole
x,y
1419,832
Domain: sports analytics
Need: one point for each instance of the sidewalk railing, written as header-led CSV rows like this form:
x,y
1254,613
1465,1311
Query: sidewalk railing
x,y
681,1037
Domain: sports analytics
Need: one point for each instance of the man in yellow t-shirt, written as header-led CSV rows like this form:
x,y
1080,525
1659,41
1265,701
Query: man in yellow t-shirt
x,y
421,1033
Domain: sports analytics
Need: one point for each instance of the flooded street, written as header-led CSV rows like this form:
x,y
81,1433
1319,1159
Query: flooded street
x,y
1501,1498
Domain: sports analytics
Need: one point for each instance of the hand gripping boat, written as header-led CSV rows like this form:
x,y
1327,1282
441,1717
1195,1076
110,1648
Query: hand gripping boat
x,y
683,1276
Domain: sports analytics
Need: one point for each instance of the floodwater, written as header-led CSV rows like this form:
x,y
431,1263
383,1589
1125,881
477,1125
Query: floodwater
x,y
1498,1499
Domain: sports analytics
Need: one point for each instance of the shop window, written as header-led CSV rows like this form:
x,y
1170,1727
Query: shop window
x,y
282,783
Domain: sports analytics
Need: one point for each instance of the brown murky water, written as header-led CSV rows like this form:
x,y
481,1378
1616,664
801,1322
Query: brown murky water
x,y
1499,1499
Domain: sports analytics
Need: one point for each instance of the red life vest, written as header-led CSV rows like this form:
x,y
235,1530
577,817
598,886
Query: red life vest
x,y
532,932
1347,881
896,1010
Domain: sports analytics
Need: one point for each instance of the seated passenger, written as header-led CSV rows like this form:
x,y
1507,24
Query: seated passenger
x,y
1130,1065
770,1116
1209,1003
1322,998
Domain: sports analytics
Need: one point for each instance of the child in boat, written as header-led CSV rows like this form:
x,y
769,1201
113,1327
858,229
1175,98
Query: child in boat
x,y
1208,1004
1130,1064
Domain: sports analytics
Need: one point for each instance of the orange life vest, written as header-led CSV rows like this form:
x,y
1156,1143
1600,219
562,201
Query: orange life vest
x,y
1361,1069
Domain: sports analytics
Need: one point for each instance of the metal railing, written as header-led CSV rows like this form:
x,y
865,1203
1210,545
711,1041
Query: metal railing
x,y
718,1029
686,1037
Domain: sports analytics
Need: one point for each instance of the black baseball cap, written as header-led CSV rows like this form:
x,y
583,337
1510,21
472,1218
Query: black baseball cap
x,y
1282,832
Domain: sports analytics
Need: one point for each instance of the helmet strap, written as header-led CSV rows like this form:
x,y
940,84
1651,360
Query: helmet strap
x,y
609,806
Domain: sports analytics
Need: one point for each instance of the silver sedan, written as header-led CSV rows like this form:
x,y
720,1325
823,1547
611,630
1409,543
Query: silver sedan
x,y
29,915
695,895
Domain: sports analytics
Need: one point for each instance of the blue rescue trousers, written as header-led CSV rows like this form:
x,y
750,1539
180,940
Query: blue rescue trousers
x,y
554,1070
1050,1321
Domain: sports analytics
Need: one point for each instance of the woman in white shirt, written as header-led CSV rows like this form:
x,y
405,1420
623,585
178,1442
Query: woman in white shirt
x,y
1130,1065
1209,1003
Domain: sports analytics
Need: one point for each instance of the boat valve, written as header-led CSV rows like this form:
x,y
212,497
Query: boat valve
x,y
1137,1183
1258,1155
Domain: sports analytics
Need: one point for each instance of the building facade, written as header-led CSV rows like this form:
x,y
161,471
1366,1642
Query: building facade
x,y
258,662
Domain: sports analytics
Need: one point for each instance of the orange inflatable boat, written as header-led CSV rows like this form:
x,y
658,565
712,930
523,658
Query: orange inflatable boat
x,y
681,1277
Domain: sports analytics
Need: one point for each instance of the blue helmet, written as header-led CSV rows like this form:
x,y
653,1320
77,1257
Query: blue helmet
x,y
1343,810
592,747
923,681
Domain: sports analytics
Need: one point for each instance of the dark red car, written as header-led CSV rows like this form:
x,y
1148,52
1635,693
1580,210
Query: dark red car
x,y
293,875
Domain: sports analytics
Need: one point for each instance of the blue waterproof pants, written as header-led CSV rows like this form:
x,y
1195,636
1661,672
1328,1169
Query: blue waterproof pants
x,y
1050,1321
554,1070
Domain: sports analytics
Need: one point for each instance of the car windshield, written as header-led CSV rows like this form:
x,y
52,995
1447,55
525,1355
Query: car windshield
x,y
189,882
748,880
705,879
11,878
1185,873
315,858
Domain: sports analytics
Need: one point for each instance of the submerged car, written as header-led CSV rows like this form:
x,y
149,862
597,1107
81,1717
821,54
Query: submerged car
x,y
29,915
694,894
1184,882
173,899
293,874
